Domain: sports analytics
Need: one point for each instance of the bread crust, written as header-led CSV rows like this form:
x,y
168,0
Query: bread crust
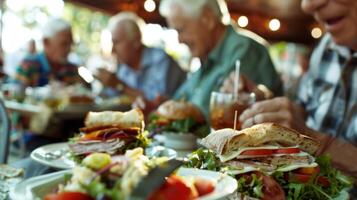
x,y
177,110
126,120
225,140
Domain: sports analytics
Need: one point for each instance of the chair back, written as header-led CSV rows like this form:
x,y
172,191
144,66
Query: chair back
x,y
4,133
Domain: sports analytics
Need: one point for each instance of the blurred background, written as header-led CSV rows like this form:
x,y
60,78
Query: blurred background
x,y
290,32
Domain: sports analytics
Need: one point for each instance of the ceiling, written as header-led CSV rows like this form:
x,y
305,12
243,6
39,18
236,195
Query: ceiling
x,y
295,25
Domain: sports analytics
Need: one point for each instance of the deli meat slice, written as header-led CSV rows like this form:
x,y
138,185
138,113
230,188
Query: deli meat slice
x,y
107,146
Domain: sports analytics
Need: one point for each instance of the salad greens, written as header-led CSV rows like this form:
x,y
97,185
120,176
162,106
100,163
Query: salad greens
x,y
204,159
314,188
252,188
334,184
159,124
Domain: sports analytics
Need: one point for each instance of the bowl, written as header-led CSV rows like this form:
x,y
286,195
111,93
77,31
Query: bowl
x,y
180,141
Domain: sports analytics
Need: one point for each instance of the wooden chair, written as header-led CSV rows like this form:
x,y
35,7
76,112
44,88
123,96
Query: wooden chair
x,y
5,127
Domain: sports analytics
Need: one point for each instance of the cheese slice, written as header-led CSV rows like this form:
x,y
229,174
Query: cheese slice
x,y
295,166
235,154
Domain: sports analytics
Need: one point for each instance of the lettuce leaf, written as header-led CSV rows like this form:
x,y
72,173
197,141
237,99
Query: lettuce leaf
x,y
188,125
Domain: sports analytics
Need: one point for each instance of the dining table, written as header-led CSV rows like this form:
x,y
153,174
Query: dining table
x,y
47,121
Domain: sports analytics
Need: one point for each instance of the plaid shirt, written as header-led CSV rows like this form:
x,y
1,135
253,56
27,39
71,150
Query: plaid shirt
x,y
35,70
328,91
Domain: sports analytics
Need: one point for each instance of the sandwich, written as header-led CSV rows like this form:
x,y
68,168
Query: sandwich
x,y
110,132
264,147
178,117
270,161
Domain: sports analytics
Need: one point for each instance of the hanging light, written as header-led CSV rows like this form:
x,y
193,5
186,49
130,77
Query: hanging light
x,y
316,32
243,21
274,24
149,5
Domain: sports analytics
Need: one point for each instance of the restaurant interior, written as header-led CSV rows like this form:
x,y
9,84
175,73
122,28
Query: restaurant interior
x,y
252,115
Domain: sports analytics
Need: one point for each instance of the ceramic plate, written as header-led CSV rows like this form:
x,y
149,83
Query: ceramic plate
x,y
38,187
53,155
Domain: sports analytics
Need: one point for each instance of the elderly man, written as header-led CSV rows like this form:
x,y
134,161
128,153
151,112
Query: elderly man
x,y
328,93
142,71
52,63
218,46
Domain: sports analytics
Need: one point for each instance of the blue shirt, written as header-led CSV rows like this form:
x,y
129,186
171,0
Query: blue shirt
x,y
158,74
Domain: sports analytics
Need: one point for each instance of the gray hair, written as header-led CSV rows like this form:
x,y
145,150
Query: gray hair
x,y
54,26
134,24
194,8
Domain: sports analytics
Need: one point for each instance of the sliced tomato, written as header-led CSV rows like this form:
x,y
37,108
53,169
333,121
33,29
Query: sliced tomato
x,y
67,196
287,150
309,170
323,180
203,186
302,178
271,189
258,152
173,189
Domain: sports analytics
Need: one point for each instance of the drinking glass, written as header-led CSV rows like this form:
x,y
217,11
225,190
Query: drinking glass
x,y
223,107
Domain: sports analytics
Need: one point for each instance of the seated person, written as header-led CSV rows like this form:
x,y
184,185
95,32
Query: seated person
x,y
218,46
327,98
51,64
142,70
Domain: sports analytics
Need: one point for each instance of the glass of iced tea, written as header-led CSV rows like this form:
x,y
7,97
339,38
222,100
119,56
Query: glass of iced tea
x,y
223,106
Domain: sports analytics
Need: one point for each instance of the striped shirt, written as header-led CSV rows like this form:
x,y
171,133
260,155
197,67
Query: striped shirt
x,y
328,91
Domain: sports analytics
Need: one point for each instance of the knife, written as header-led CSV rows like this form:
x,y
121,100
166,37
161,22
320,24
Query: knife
x,y
154,179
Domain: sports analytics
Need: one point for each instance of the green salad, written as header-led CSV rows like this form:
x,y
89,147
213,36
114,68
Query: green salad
x,y
318,183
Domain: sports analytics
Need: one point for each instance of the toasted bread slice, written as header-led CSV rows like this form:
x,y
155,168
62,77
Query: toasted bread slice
x,y
131,119
227,140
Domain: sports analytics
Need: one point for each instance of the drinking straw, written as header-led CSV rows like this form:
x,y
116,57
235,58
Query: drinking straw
x,y
235,119
236,78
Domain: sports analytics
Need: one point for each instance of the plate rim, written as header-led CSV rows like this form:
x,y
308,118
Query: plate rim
x,y
31,182
49,163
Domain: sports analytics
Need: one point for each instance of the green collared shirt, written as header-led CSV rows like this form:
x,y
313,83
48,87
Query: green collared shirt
x,y
255,64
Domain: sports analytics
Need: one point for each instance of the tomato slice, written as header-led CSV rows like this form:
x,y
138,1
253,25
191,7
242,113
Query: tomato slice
x,y
68,195
173,189
323,180
258,152
302,178
203,186
287,150
309,170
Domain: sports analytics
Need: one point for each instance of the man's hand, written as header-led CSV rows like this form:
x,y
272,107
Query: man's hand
x,y
107,78
148,106
278,110
246,85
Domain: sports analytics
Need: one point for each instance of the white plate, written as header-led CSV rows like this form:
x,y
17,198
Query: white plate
x,y
25,189
62,162
224,184
38,187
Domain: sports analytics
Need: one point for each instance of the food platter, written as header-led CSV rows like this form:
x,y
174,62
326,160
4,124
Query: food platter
x,y
57,155
38,187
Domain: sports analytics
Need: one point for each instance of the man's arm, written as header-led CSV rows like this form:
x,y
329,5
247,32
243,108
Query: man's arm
x,y
343,153
109,79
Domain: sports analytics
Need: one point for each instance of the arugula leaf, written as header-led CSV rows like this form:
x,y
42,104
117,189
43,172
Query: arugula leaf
x,y
313,189
203,159
252,188
158,125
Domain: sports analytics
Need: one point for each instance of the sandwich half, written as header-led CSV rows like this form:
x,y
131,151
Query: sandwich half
x,y
110,132
265,147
